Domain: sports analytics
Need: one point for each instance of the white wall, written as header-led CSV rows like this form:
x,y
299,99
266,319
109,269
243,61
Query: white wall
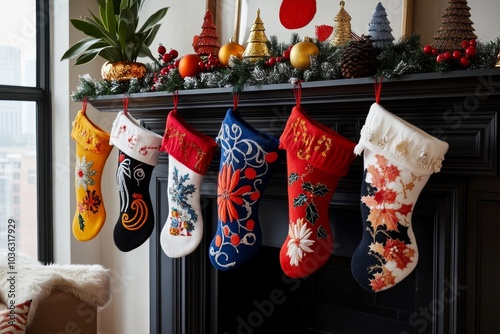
x,y
128,312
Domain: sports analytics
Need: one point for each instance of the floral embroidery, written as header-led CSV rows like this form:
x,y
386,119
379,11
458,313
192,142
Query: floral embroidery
x,y
305,198
402,149
83,173
387,215
89,203
299,241
228,195
182,216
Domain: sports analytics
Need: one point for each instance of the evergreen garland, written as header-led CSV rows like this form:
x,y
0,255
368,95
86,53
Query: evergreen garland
x,y
404,57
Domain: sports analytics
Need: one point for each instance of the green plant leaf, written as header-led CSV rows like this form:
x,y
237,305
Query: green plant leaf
x,y
151,34
117,4
86,57
146,52
87,28
153,19
110,17
79,47
125,27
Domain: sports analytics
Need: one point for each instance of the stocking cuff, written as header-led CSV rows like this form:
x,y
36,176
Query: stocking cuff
x,y
90,136
401,141
319,145
246,131
192,148
134,140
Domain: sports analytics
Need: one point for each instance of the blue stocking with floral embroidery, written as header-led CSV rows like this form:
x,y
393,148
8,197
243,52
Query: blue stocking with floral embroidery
x,y
398,161
248,158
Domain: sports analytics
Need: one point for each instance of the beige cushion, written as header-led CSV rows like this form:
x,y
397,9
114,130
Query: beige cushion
x,y
63,313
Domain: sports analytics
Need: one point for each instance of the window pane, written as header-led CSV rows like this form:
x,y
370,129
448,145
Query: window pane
x,y
18,44
18,189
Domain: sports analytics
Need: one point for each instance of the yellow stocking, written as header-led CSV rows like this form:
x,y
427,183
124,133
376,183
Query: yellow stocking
x,y
92,150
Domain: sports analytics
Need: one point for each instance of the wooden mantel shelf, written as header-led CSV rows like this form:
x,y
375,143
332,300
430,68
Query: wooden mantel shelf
x,y
418,86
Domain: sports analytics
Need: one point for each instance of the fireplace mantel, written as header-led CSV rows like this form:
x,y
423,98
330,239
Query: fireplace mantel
x,y
456,217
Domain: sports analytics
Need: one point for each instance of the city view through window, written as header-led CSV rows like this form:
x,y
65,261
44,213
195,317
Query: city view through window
x,y
18,171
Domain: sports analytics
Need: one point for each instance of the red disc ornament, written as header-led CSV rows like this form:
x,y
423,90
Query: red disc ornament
x,y
295,14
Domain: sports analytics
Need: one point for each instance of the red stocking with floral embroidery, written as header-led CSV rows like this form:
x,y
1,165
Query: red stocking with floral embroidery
x,y
317,157
398,161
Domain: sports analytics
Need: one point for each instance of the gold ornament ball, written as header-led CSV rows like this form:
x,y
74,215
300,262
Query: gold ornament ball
x,y
230,49
301,53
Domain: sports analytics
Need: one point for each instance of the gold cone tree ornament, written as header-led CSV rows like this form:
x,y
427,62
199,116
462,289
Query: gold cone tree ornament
x,y
256,48
498,60
342,30
456,26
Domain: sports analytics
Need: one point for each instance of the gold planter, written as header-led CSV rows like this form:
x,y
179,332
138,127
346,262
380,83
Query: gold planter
x,y
122,71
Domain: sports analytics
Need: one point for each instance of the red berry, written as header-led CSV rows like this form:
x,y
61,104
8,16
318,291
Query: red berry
x,y
457,55
440,58
174,53
267,63
272,61
428,49
171,67
167,58
465,44
201,64
162,49
176,63
464,61
279,59
471,52
286,54
448,55
164,71
435,51
472,42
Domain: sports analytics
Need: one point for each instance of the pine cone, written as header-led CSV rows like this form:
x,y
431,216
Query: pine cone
x,y
359,59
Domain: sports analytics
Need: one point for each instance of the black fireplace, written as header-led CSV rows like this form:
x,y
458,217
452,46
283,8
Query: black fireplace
x,y
453,289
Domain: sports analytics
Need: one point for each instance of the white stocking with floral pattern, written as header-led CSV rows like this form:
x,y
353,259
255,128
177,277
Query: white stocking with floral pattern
x,y
398,161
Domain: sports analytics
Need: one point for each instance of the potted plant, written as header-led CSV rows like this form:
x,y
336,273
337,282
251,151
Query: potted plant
x,y
114,35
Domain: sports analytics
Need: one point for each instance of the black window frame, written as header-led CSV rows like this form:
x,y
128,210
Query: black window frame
x,y
40,94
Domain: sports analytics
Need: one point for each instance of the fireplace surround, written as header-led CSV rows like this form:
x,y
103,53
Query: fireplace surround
x,y
452,289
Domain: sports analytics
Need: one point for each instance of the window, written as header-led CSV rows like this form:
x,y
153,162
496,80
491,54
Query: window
x,y
25,127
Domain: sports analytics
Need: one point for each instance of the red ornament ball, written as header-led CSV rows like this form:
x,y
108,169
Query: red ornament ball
x,y
174,53
440,58
428,49
464,61
435,51
167,57
188,65
471,52
286,54
448,55
473,42
465,44
162,49
457,55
